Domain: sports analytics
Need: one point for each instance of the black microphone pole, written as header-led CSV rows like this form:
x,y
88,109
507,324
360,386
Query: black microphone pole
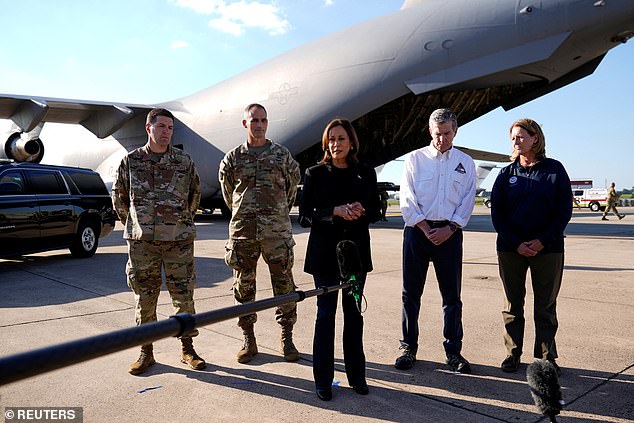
x,y
23,365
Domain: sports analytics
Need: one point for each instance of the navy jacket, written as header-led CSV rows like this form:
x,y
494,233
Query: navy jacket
x,y
531,203
326,187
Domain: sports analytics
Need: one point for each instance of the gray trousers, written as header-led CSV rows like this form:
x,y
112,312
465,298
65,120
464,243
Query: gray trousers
x,y
546,274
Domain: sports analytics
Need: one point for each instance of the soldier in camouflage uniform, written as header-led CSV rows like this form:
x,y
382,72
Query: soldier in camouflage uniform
x,y
259,181
613,200
156,195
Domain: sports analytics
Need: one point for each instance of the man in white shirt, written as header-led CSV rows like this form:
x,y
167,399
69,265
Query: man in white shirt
x,y
437,197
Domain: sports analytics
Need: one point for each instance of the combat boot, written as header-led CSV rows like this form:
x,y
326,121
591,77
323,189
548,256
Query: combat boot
x,y
286,344
146,359
189,355
250,348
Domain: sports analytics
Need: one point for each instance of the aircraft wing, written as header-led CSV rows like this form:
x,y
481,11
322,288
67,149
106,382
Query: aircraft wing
x,y
488,156
100,118
514,57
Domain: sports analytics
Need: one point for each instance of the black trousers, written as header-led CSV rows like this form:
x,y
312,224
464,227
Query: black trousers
x,y
546,275
324,340
418,251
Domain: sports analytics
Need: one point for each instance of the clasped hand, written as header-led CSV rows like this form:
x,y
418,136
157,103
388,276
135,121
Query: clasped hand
x,y
436,235
530,248
351,211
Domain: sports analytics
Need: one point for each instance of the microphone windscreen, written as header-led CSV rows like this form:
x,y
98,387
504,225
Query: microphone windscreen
x,y
348,259
541,376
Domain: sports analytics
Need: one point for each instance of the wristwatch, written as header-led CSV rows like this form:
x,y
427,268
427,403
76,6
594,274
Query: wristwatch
x,y
453,226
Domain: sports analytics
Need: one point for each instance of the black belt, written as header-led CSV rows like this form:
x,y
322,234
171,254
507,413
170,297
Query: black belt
x,y
437,223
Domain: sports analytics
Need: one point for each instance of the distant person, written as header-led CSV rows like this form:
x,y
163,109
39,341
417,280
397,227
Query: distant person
x,y
339,201
530,236
384,197
437,198
156,194
613,200
259,181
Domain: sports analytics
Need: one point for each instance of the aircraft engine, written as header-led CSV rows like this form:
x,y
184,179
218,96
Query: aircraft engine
x,y
23,148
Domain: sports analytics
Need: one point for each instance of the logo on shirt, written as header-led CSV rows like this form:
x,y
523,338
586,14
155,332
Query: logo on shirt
x,y
513,179
460,169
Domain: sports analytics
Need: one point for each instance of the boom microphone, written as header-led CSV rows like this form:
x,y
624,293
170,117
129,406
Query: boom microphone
x,y
348,259
544,383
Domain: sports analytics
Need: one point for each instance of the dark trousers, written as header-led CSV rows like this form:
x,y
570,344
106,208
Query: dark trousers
x,y
418,251
324,341
546,275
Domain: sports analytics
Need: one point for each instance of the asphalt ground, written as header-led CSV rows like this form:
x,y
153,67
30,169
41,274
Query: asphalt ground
x,y
49,298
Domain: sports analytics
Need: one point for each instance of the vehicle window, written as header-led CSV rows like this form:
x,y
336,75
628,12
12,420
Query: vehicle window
x,y
43,182
88,183
577,193
12,183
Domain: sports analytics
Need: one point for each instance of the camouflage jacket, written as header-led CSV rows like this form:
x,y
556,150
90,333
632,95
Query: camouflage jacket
x,y
260,190
613,196
156,197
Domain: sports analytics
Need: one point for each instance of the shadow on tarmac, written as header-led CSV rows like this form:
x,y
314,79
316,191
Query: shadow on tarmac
x,y
428,381
27,281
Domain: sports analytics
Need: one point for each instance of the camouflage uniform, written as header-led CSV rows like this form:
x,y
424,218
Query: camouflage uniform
x,y
613,200
260,190
156,197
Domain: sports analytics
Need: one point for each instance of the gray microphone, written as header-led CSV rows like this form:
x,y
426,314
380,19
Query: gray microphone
x,y
545,390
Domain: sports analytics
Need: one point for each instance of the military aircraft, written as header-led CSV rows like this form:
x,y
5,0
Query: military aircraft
x,y
389,74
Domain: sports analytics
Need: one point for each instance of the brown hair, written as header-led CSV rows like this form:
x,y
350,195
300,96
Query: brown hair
x,y
154,113
352,135
533,128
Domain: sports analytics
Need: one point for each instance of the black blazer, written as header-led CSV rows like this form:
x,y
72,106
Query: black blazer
x,y
326,187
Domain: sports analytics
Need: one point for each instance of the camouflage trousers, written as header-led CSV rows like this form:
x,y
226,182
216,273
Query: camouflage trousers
x,y
146,261
242,256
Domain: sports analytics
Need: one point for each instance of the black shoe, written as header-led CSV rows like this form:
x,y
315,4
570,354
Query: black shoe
x,y
406,360
621,216
324,394
555,365
510,364
604,218
361,389
458,363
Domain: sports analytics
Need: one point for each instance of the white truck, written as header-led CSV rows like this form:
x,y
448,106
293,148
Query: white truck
x,y
594,198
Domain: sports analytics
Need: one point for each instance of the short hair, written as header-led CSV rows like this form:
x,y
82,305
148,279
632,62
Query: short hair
x,y
154,113
533,128
443,116
351,158
251,106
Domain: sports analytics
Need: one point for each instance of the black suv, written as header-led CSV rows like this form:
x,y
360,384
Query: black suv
x,y
45,207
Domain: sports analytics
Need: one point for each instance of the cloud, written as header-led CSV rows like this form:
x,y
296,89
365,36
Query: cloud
x,y
235,17
329,2
227,26
204,7
179,44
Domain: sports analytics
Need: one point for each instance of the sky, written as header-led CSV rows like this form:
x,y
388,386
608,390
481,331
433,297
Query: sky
x,y
150,51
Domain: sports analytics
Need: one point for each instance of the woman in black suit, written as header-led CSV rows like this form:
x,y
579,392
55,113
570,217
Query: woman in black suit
x,y
339,201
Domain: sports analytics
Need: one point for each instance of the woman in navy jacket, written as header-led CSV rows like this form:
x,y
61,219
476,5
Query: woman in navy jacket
x,y
339,200
531,204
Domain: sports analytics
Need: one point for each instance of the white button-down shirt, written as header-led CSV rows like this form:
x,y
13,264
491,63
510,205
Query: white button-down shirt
x,y
437,186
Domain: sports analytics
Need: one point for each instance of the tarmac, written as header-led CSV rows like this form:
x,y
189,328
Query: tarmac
x,y
49,298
